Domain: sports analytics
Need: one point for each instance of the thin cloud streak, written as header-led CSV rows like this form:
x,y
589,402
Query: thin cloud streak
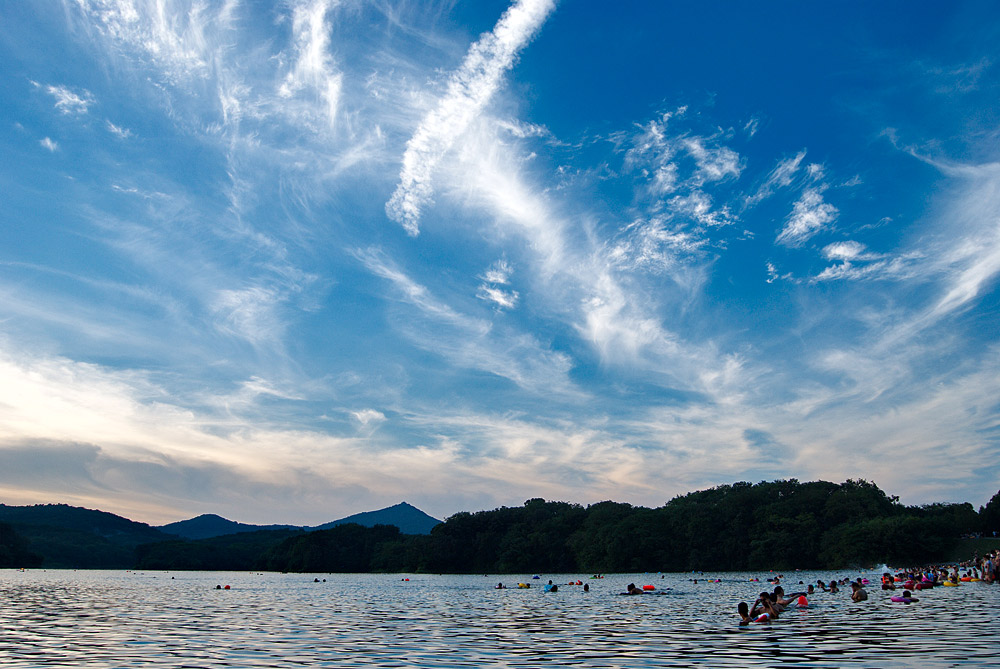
x,y
470,88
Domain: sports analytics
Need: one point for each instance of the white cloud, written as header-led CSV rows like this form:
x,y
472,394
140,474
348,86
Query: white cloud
x,y
70,103
368,416
491,291
810,216
469,90
654,245
849,250
697,205
815,171
249,313
472,343
313,68
780,177
118,131
499,272
49,144
504,299
714,163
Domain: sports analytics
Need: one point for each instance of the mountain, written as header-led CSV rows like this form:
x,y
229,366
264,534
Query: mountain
x,y
210,525
73,537
408,518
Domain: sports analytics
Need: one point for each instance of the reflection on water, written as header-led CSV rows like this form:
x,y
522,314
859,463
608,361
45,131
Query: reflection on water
x,y
159,619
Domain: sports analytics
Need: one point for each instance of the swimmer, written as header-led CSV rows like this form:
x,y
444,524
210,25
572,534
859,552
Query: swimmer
x,y
858,594
763,606
744,612
630,589
782,601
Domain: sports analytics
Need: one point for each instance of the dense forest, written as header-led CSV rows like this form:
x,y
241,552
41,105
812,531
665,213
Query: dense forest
x,y
769,525
69,536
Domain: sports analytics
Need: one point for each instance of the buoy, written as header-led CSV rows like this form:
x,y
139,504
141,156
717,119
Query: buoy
x,y
803,601
226,588
648,587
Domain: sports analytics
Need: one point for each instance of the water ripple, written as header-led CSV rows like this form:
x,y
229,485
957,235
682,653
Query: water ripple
x,y
116,619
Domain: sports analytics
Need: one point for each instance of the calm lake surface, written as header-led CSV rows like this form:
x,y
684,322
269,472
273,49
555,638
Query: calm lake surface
x,y
178,619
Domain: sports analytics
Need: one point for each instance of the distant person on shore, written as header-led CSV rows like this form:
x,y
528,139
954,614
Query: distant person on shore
x,y
858,594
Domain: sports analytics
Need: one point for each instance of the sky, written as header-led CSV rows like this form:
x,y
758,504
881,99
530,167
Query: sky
x,y
288,261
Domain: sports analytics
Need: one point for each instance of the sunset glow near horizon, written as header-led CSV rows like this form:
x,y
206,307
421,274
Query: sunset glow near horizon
x,y
286,262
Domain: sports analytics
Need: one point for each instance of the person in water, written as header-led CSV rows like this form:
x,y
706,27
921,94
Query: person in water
x,y
833,587
763,609
632,590
858,594
781,601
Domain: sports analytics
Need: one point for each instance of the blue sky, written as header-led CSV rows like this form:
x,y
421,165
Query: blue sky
x,y
290,261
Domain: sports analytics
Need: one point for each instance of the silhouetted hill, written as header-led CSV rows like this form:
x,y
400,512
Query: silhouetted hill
x,y
408,518
74,537
209,525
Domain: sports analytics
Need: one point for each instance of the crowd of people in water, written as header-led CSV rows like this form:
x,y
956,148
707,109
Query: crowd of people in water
x,y
770,605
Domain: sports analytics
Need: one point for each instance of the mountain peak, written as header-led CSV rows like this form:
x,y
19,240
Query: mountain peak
x,y
408,518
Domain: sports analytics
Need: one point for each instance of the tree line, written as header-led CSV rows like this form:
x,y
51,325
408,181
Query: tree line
x,y
781,524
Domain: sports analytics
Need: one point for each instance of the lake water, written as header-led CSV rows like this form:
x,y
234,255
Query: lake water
x,y
156,619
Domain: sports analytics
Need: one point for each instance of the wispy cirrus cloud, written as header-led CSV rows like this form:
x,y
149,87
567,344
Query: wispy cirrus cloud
x,y
118,131
469,89
70,102
780,177
810,215
853,261
493,289
313,68
470,342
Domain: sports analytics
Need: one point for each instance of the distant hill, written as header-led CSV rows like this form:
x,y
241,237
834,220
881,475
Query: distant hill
x,y
209,525
74,537
408,518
